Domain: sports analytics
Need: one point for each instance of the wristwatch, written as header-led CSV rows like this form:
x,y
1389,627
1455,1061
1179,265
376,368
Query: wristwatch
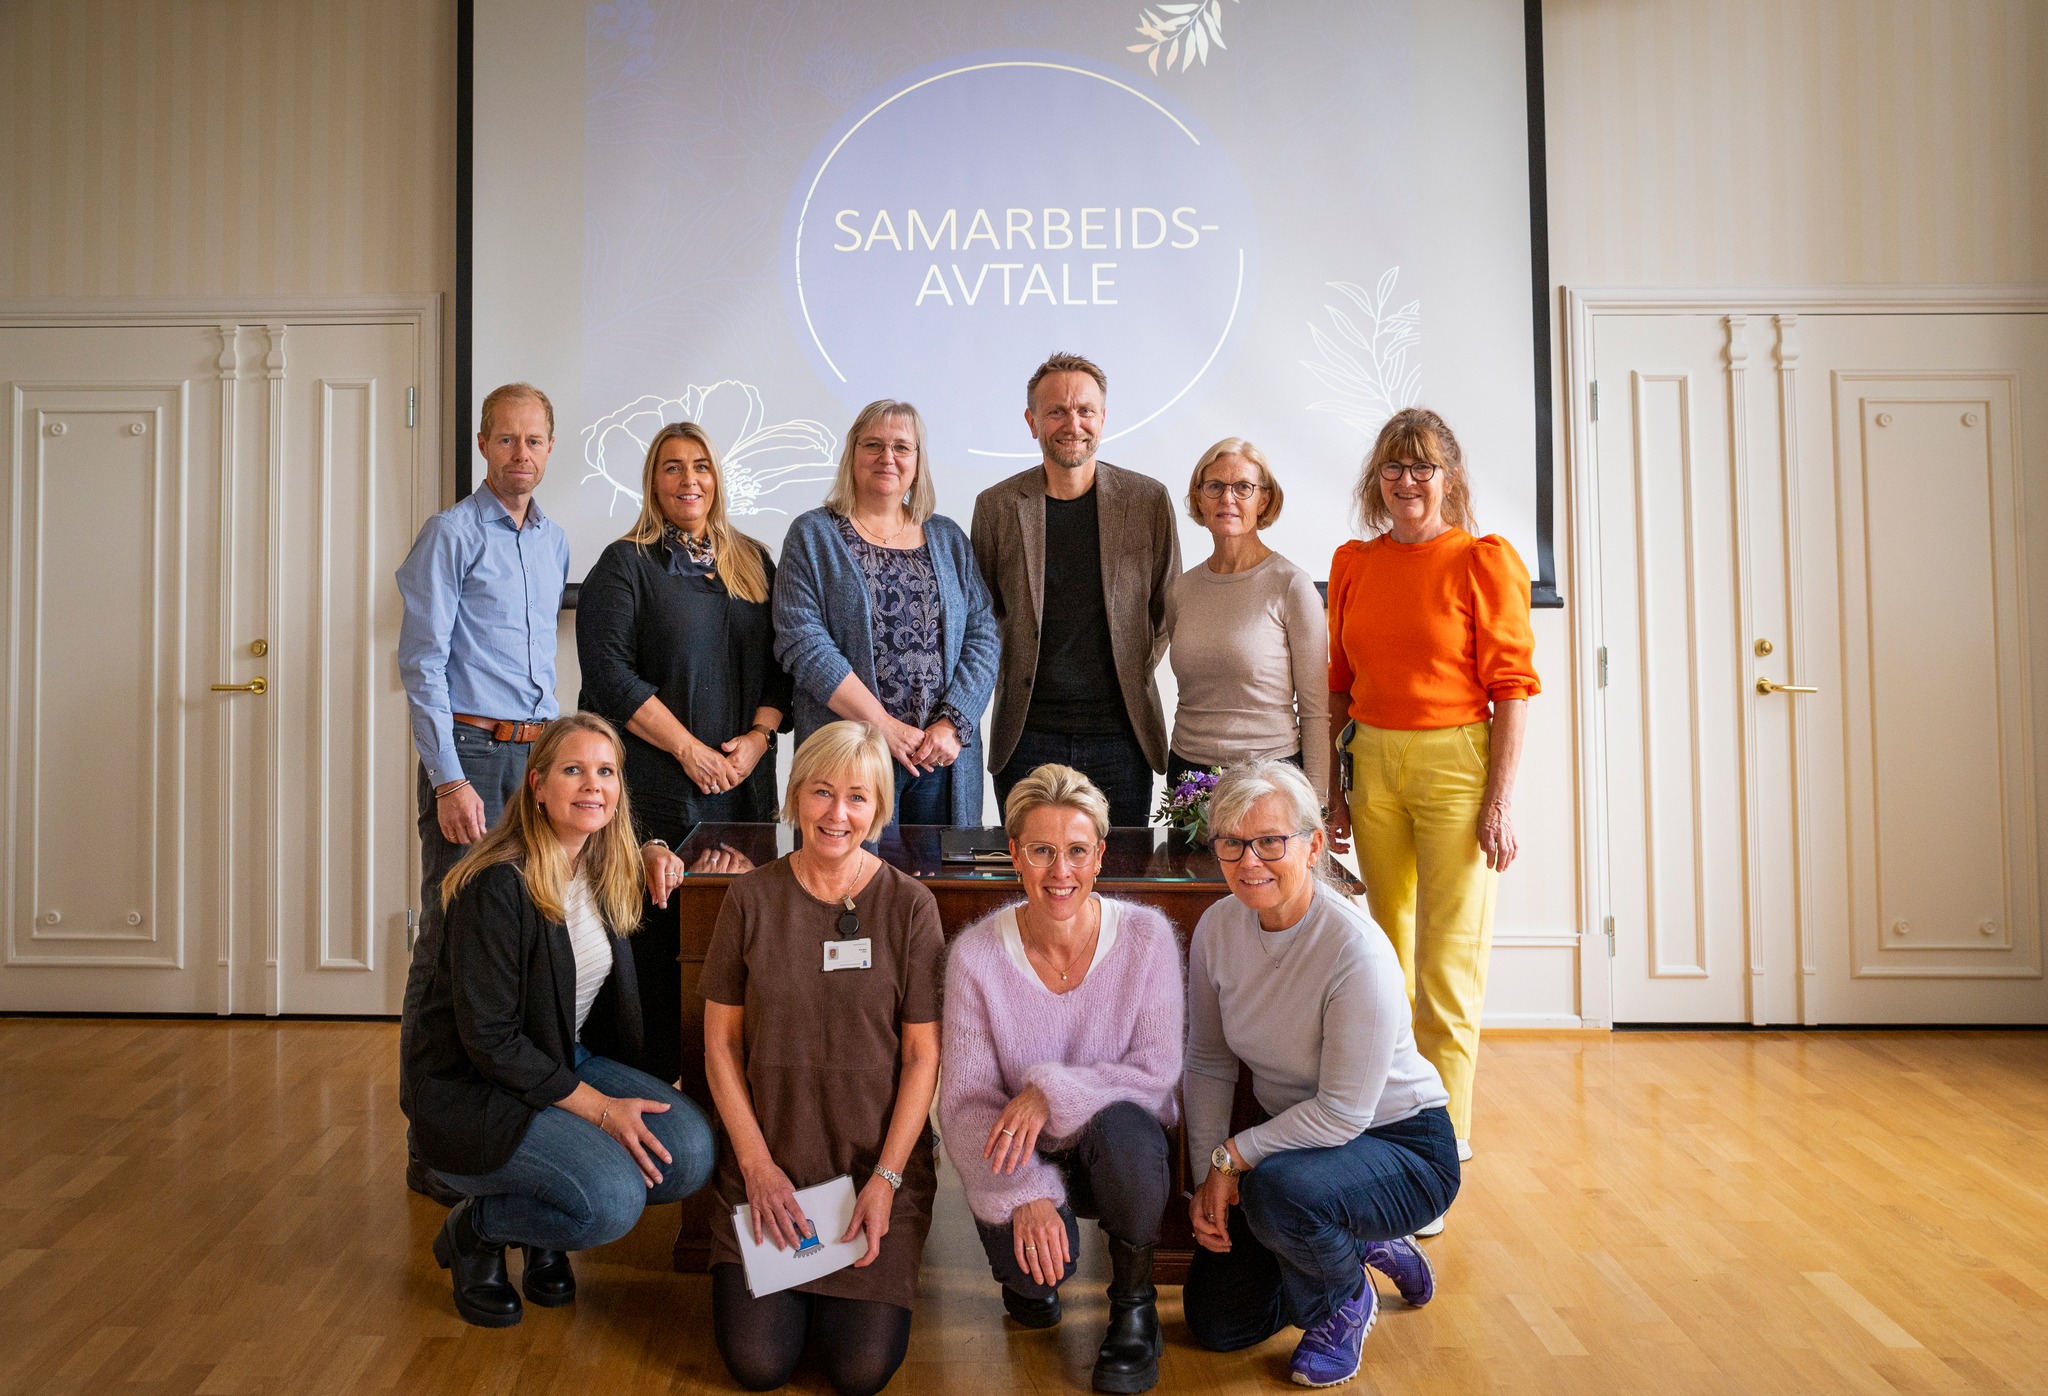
x,y
1219,1160
889,1176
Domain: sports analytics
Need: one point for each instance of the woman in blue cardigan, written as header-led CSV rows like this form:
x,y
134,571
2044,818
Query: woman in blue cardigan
x,y
881,615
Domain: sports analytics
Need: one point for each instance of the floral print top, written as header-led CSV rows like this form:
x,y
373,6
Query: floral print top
x,y
903,602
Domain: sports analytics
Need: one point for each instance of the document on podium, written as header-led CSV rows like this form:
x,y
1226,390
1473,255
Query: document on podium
x,y
828,1207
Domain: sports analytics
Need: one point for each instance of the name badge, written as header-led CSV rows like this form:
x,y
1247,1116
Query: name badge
x,y
849,954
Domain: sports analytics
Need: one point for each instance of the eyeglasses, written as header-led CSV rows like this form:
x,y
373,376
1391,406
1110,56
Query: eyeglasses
x,y
1240,490
1420,474
1044,855
1271,848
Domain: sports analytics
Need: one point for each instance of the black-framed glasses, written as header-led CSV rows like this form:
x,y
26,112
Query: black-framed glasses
x,y
1240,490
1271,848
1044,855
1420,472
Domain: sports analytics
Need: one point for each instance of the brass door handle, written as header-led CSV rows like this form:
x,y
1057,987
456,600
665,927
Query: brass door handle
x,y
256,685
1767,688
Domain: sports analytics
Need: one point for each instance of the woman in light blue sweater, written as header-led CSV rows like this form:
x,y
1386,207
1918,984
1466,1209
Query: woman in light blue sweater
x,y
882,616
1356,1150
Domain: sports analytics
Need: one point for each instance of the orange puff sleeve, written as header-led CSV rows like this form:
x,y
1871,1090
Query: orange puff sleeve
x,y
1430,635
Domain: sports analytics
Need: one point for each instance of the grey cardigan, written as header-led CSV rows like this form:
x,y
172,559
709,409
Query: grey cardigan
x,y
824,631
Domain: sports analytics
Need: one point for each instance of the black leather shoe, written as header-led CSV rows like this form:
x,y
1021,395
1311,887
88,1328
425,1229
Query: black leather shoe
x,y
483,1291
1032,1313
1129,1358
427,1183
547,1279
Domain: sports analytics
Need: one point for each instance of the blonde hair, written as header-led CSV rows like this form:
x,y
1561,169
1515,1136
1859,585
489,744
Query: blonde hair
x,y
1053,786
739,557
923,500
1416,435
514,392
1269,512
610,860
848,748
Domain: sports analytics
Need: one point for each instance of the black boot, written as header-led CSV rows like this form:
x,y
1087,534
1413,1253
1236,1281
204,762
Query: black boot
x,y
427,1183
547,1279
1032,1313
1129,1359
483,1292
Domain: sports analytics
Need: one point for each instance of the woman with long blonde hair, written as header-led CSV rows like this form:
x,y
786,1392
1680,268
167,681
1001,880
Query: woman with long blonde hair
x,y
528,1101
676,642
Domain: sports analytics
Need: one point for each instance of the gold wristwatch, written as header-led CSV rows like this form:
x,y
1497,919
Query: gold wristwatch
x,y
1220,1161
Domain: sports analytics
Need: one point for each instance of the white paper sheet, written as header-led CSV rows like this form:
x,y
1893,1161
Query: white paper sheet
x,y
829,1209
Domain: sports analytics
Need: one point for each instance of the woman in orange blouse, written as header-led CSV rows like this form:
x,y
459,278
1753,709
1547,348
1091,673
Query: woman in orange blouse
x,y
1431,656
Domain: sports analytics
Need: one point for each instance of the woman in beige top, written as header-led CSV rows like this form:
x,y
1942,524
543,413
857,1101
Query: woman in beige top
x,y
1250,645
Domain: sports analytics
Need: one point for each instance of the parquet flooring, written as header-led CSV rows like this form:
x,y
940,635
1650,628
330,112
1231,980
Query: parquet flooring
x,y
216,1207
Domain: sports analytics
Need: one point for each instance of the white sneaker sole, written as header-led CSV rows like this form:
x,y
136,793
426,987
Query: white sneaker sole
x,y
1431,1228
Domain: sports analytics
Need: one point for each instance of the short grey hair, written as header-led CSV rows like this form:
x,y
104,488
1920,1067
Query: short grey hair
x,y
1245,784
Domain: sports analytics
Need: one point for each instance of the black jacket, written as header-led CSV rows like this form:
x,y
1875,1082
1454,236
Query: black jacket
x,y
495,1043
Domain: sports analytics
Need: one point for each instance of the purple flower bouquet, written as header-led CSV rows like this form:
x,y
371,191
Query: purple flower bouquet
x,y
1185,806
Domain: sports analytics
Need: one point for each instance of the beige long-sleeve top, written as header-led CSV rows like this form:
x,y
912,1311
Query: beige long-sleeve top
x,y
1251,654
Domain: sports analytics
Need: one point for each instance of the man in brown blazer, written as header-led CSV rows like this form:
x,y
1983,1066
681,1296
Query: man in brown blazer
x,y
1080,557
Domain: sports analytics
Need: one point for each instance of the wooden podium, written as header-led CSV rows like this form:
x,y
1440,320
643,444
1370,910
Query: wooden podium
x,y
1151,866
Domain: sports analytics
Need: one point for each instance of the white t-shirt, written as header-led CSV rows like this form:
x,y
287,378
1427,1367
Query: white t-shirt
x,y
593,947
1013,937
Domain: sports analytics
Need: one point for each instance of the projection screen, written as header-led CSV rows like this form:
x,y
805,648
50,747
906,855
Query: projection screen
x,y
1267,219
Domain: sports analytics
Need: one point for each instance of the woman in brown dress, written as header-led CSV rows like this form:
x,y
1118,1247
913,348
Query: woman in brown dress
x,y
819,1073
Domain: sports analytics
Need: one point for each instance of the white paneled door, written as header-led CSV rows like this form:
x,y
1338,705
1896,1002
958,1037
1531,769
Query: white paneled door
x,y
208,801
1821,598
1925,576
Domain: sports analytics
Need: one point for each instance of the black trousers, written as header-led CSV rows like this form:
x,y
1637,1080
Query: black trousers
x,y
1116,1171
860,1342
1116,763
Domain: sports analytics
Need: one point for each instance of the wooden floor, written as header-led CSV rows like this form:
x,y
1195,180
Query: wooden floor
x,y
217,1208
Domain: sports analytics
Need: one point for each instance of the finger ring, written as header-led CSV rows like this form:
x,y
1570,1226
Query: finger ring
x,y
1009,1131
1029,1249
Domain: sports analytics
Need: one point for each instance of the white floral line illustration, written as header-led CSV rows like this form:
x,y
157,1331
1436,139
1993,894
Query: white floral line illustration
x,y
1184,32
755,454
1367,366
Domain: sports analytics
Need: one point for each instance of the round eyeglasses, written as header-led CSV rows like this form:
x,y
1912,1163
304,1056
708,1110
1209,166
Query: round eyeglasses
x,y
1240,490
1420,472
1044,855
1271,848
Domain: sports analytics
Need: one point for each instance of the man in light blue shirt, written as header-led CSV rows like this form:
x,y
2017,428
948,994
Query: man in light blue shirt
x,y
482,589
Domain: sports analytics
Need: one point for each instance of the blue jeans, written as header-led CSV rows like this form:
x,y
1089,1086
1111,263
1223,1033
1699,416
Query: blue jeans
x,y
925,799
495,768
1117,765
1298,1237
569,1186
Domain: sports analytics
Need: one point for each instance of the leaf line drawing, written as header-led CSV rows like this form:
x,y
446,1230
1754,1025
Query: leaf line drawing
x,y
1183,32
1365,360
757,457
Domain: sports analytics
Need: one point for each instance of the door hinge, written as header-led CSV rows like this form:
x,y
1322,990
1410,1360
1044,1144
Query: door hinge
x,y
412,407
1607,928
1596,399
1601,656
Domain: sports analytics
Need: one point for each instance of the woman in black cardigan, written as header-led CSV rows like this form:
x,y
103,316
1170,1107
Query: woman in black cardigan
x,y
677,648
525,1102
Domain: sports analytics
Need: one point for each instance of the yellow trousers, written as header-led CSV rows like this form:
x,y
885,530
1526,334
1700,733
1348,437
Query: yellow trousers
x,y
1415,800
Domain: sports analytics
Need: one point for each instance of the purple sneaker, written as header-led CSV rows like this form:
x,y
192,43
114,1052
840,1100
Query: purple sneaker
x,y
1328,1353
1403,1262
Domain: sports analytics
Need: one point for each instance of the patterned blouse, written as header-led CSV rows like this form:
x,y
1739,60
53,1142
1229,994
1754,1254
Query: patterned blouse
x,y
903,600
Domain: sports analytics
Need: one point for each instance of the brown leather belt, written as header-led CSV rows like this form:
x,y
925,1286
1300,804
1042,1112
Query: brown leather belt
x,y
503,730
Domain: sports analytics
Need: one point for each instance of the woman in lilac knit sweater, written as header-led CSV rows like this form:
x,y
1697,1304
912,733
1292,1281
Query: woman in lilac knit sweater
x,y
1062,1049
